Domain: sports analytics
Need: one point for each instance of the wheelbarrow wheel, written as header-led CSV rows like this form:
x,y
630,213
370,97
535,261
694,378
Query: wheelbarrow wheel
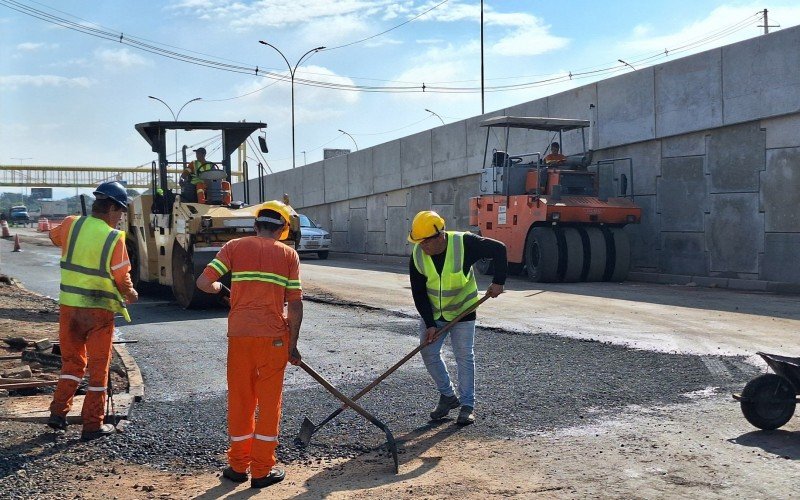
x,y
768,401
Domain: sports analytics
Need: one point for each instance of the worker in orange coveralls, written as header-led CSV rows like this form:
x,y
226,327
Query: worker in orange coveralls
x,y
95,284
265,275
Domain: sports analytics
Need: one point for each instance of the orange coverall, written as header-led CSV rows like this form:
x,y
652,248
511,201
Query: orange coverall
x,y
265,274
85,337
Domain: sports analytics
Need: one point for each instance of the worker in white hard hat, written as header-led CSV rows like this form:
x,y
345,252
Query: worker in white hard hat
x,y
443,286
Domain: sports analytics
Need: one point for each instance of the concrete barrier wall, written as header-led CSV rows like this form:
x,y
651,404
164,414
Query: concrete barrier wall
x,y
714,139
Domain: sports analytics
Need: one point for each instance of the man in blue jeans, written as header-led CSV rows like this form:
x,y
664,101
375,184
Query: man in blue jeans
x,y
443,286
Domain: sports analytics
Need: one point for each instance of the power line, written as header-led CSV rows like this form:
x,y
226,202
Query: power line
x,y
433,87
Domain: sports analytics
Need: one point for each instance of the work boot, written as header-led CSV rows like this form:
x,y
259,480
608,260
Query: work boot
x,y
446,403
466,416
236,477
275,476
57,422
103,431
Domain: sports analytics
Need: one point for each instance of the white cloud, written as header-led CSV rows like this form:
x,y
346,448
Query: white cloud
x,y
35,46
13,82
643,39
120,58
312,104
430,41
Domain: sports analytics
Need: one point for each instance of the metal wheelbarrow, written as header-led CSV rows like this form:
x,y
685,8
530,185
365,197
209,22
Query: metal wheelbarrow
x,y
768,401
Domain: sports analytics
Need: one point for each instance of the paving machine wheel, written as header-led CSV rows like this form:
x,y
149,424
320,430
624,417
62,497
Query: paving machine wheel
x,y
572,253
768,401
541,255
184,275
322,254
618,254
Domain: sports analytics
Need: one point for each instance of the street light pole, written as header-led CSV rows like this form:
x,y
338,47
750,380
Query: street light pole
x,y
291,76
350,136
304,158
22,192
175,118
435,114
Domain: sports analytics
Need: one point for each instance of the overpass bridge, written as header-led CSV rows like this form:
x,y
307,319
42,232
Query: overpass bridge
x,y
79,176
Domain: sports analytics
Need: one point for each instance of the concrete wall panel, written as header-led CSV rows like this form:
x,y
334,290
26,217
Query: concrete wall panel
x,y
340,215
336,182
339,241
386,167
449,151
447,212
357,231
780,249
321,214
735,157
476,140
443,192
313,184
419,198
626,108
521,141
689,87
783,131
376,212
683,253
415,159
359,173
376,242
780,190
682,197
574,104
684,145
398,198
293,186
358,202
734,234
397,228
464,189
646,159
644,236
761,77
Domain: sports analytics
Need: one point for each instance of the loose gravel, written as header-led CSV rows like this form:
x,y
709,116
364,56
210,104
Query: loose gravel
x,y
526,384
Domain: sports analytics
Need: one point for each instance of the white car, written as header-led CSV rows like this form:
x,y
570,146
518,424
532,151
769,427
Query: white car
x,y
313,238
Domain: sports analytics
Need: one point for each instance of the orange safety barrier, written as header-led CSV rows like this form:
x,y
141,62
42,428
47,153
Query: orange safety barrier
x,y
44,225
17,248
4,227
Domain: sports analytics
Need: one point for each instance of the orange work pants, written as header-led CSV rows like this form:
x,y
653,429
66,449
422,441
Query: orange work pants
x,y
255,379
85,336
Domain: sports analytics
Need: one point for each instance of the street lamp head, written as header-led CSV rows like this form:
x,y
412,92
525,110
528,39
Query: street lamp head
x,y
342,131
320,48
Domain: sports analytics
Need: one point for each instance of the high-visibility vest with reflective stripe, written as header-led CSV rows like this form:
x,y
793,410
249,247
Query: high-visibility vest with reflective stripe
x,y
198,168
86,279
450,293
275,279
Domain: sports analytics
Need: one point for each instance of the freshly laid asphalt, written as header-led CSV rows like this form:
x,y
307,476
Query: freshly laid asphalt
x,y
526,383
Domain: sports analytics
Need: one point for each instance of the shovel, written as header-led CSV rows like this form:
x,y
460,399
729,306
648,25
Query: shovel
x,y
308,428
390,443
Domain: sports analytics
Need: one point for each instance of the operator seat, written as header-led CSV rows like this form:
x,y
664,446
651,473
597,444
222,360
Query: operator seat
x,y
215,187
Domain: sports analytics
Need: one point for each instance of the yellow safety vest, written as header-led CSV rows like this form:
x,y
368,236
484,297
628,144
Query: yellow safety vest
x,y
450,293
198,168
86,279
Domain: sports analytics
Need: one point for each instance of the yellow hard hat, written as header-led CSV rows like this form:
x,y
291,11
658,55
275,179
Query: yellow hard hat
x,y
283,209
425,224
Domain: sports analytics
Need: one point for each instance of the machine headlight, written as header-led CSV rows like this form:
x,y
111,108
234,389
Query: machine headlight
x,y
326,236
206,221
555,216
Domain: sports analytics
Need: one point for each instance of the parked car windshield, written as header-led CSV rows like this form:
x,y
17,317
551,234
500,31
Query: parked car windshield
x,y
306,222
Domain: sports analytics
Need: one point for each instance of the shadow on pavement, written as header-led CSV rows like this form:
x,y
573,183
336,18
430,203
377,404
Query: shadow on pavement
x,y
366,472
778,442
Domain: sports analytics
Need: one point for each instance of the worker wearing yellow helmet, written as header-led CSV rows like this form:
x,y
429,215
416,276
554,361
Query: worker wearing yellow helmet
x,y
265,275
443,286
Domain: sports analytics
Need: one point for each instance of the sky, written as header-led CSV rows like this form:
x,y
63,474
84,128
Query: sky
x,y
72,96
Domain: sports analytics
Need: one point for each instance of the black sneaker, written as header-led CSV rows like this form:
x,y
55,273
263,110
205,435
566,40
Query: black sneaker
x,y
466,416
446,403
236,477
57,422
103,431
275,476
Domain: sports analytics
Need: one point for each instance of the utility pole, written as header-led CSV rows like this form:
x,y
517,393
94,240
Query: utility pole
x,y
766,24
483,109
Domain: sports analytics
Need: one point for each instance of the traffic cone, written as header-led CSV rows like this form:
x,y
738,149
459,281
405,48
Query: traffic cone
x,y
16,244
40,225
4,227
47,224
